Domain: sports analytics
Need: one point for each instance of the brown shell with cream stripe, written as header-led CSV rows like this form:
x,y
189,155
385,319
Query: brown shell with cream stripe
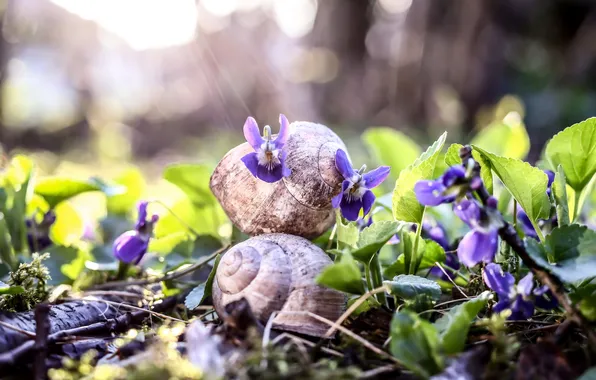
x,y
299,204
276,272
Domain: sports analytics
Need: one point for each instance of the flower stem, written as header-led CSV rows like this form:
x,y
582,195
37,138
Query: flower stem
x,y
189,228
122,270
377,277
414,256
576,206
367,275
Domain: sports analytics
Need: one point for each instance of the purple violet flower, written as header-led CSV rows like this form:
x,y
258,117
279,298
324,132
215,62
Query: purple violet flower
x,y
481,243
362,223
267,162
131,246
551,178
520,298
442,190
435,232
355,191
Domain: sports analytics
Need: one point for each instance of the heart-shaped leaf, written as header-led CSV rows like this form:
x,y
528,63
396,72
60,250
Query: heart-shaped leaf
x,y
411,287
574,149
373,238
58,189
343,275
559,190
203,290
526,183
504,138
405,205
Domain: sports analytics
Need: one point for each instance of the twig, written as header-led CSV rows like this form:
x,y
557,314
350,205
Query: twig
x,y
167,277
120,323
510,236
374,373
14,328
42,330
352,308
451,280
126,306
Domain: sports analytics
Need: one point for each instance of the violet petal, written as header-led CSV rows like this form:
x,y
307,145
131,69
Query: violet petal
x,y
499,281
375,177
343,165
252,133
368,199
270,176
476,247
251,161
350,210
130,247
429,193
284,131
525,285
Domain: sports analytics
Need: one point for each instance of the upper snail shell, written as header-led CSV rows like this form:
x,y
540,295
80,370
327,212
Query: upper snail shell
x,y
299,204
276,272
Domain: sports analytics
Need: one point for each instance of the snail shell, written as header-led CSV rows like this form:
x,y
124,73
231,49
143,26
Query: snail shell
x,y
299,204
276,272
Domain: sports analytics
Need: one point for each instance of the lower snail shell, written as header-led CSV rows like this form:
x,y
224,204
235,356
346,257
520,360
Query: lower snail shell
x,y
276,272
299,204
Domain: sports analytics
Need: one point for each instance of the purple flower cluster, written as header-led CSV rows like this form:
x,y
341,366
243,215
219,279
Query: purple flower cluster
x,y
131,246
521,298
267,162
446,189
355,190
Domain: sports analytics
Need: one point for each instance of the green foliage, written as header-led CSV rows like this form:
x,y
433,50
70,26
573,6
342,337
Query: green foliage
x,y
372,239
526,183
134,183
68,227
13,199
405,205
65,263
574,149
347,234
414,342
384,142
32,278
453,327
428,253
559,190
507,138
411,287
203,290
568,252
343,275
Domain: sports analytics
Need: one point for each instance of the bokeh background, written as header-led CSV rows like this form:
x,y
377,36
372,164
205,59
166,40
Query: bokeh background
x,y
94,86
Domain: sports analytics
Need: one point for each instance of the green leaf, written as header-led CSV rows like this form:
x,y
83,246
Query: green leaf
x,y
193,179
587,306
405,205
373,238
347,234
559,190
574,149
568,252
122,204
410,287
17,177
58,189
7,255
414,342
526,183
344,276
506,139
68,227
391,147
167,244
453,327
58,263
203,290
7,289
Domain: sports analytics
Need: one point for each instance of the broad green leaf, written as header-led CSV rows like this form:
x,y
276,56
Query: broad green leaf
x,y
344,276
203,290
504,138
193,179
452,158
134,183
587,306
526,183
17,178
369,304
167,244
405,205
58,189
347,234
453,327
391,147
68,227
7,289
414,342
574,149
559,190
373,238
410,287
60,257
568,253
